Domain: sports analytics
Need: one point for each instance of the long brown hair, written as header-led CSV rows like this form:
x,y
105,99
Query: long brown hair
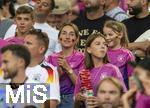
x,y
75,28
88,59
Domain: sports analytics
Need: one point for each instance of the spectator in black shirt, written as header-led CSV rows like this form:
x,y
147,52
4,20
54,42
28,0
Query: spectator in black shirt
x,y
91,21
138,24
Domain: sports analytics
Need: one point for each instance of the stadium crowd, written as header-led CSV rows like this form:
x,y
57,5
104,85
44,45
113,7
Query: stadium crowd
x,y
87,53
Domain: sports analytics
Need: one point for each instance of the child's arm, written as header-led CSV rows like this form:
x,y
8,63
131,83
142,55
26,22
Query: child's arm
x,y
130,58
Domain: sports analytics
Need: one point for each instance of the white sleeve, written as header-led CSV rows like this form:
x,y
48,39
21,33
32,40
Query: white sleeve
x,y
10,32
144,36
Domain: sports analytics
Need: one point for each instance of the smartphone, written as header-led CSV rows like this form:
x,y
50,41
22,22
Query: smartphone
x,y
138,83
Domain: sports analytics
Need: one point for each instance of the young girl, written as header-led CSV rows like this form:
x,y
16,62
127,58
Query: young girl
x,y
118,54
69,62
96,63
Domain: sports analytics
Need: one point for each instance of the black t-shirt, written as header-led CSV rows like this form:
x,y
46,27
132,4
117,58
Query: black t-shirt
x,y
136,27
87,27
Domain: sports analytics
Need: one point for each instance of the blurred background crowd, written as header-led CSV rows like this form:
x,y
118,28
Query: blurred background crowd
x,y
92,53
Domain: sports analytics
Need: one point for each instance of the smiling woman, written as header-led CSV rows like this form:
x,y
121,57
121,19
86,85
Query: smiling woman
x,y
68,36
69,62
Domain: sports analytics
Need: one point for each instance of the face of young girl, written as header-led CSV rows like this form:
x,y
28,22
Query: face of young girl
x,y
98,48
68,37
112,38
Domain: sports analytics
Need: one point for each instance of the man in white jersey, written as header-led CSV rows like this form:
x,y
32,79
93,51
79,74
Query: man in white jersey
x,y
37,43
15,59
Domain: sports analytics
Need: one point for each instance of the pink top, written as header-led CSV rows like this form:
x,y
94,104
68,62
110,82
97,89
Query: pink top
x,y
143,101
15,40
123,5
120,58
76,61
81,6
2,44
98,74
